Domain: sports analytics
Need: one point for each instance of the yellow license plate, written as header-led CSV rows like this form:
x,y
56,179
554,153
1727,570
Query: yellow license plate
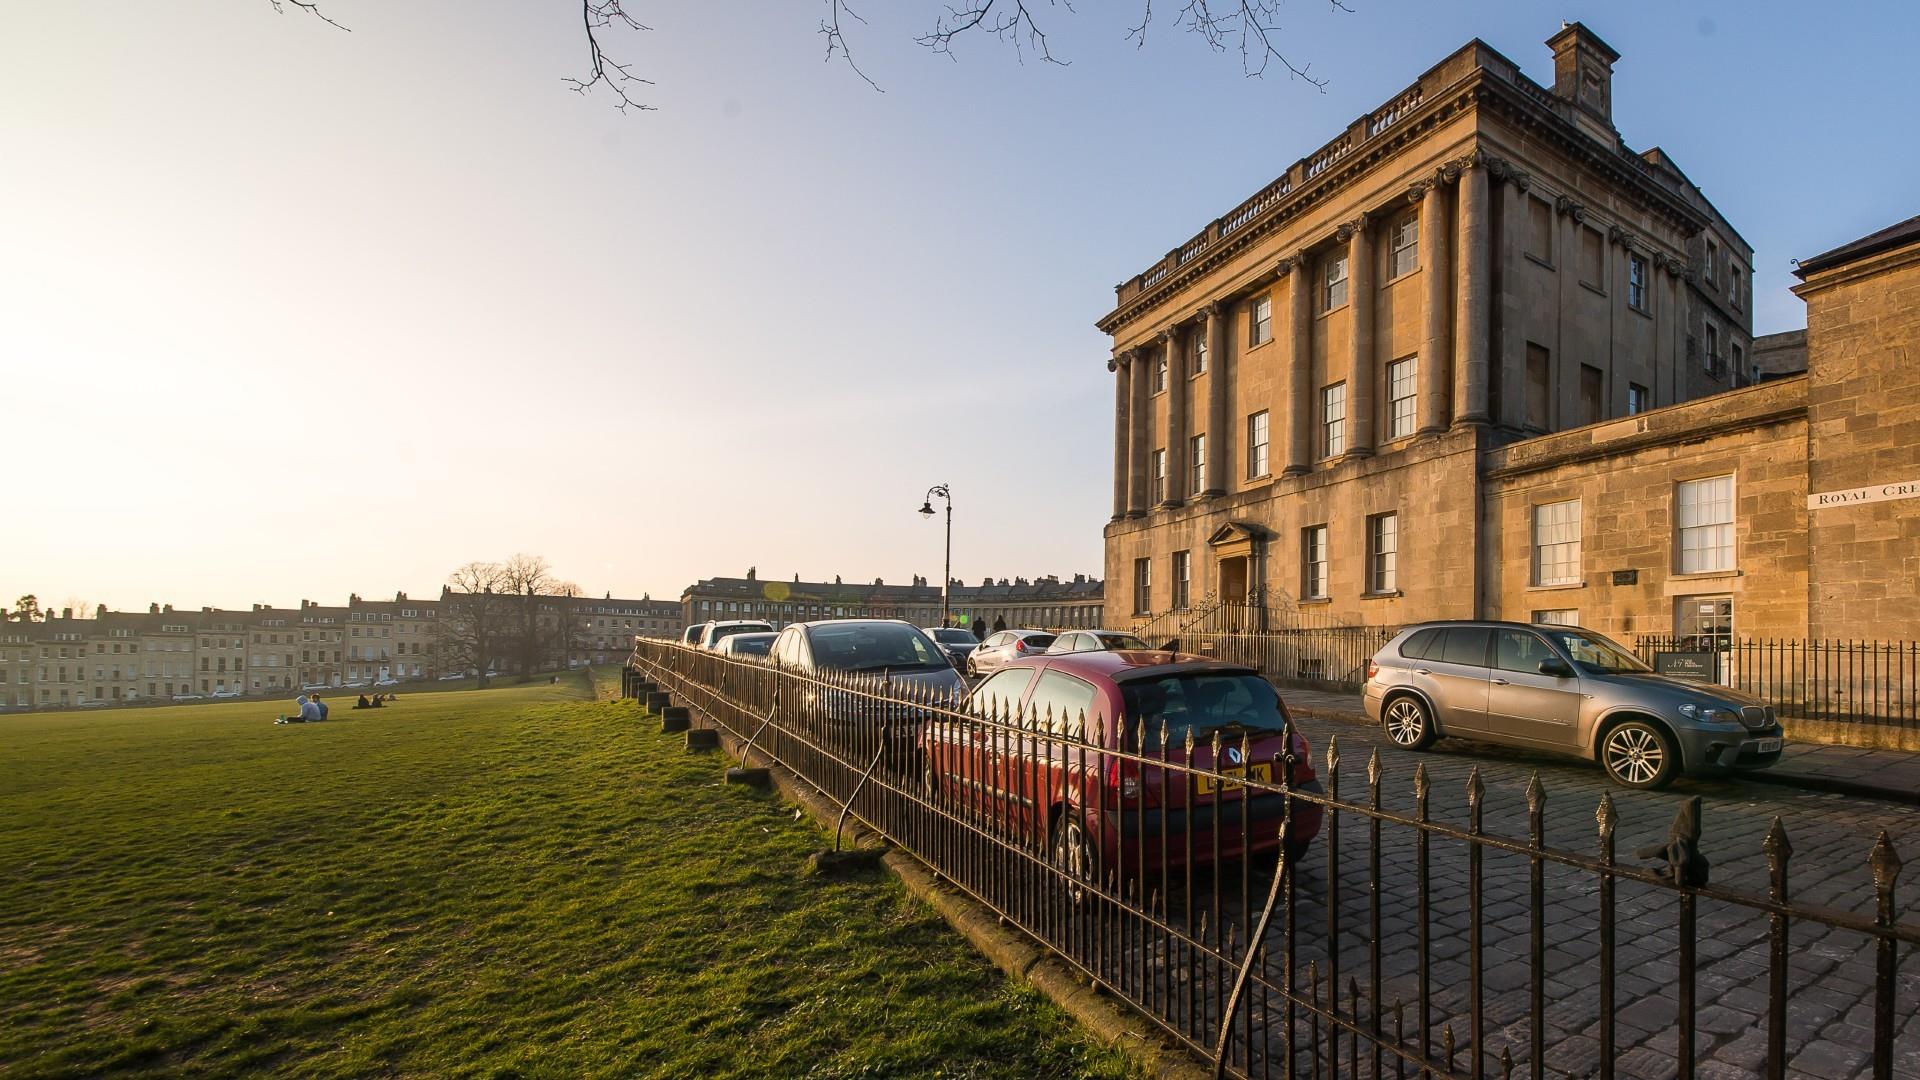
x,y
1205,783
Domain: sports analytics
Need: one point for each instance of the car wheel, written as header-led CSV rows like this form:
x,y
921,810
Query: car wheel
x,y
1637,754
929,780
972,671
1073,855
1408,723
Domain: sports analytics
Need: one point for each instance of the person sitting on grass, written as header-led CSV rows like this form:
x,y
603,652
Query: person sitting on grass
x,y
363,703
319,707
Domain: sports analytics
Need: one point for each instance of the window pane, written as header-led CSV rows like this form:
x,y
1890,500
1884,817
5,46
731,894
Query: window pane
x,y
1333,420
1402,396
1464,645
1704,513
1556,543
1517,650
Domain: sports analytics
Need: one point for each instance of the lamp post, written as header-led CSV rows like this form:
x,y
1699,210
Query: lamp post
x,y
946,578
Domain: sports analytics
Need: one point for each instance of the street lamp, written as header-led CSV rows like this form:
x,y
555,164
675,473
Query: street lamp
x,y
946,579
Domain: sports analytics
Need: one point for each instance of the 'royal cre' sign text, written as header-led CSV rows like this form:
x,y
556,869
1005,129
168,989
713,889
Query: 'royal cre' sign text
x,y
1906,489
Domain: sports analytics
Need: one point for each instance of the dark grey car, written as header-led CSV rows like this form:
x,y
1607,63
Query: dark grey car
x,y
1566,690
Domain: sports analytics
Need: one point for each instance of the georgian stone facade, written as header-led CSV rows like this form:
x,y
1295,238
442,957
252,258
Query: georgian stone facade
x,y
1308,393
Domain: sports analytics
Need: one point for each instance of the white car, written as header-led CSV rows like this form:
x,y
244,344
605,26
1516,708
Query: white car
x,y
716,632
453,675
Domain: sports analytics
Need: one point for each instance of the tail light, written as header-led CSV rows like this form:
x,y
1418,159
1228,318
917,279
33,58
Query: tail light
x,y
1020,645
1123,780
1372,670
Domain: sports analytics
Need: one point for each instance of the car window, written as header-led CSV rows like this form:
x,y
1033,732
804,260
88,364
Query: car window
x,y
1463,645
1001,692
993,640
1039,641
751,644
1420,645
1118,641
1065,643
874,647
1517,650
1200,704
1060,704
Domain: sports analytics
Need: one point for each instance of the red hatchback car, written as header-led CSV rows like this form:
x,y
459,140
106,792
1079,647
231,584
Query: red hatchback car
x,y
1042,776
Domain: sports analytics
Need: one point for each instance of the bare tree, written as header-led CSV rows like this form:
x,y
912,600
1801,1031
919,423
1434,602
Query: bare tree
x,y
527,577
76,605
1251,27
475,618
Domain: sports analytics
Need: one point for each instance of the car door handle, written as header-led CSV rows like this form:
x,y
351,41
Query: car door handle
x,y
1421,671
1499,682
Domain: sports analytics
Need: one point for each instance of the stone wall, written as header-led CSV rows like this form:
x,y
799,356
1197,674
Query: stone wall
x,y
1864,409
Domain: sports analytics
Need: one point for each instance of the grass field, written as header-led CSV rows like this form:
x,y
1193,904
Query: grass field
x,y
512,882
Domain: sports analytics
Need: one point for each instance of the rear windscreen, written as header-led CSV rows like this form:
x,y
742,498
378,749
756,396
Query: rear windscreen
x,y
1200,704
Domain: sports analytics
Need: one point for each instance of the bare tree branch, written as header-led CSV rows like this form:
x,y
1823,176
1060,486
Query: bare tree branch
x,y
598,18
311,7
1249,24
1009,20
837,42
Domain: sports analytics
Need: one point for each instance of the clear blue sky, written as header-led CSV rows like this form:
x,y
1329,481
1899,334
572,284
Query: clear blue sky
x,y
287,311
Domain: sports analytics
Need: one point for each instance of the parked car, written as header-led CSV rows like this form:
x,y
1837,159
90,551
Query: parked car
x,y
748,644
1566,690
692,634
716,632
886,649
1073,641
1002,647
958,643
1094,813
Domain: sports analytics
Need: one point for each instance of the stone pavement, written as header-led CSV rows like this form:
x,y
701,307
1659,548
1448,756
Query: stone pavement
x,y
1843,770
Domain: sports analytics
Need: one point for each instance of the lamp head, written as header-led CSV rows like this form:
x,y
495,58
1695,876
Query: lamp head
x,y
926,507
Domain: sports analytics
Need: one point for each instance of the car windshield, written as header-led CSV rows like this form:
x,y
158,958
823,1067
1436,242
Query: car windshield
x,y
1200,704
1122,641
874,647
723,630
952,636
1594,653
1038,641
752,644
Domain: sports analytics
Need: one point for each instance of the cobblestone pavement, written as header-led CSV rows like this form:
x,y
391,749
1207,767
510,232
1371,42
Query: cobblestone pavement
x,y
1831,972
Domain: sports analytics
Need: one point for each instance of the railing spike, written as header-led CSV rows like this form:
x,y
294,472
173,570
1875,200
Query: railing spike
x,y
1420,781
1778,848
1536,792
1446,1045
1475,788
1373,768
1333,752
1885,863
1605,816
1506,1062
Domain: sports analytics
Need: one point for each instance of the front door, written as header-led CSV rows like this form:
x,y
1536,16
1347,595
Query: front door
x,y
1705,624
1525,705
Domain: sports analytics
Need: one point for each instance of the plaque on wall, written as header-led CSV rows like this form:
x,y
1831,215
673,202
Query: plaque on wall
x,y
1626,577
1700,667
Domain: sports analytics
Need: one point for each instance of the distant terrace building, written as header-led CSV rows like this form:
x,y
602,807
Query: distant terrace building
x,y
1045,601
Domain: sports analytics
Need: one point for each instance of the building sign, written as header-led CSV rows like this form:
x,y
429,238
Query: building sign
x,y
1700,667
1906,489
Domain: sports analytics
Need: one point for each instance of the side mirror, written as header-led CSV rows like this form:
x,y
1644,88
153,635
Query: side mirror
x,y
1557,668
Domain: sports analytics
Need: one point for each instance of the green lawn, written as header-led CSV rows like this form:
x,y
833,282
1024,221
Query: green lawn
x,y
514,882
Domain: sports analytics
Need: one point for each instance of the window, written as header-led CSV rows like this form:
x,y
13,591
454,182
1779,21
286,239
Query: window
x,y
1160,375
1556,543
1538,380
1200,352
1402,397
1159,484
1333,420
1466,645
1638,399
1518,650
1592,258
1182,579
1257,445
1713,349
1557,617
1197,455
1637,282
1733,286
1333,290
1260,321
1593,394
1540,229
1739,361
1705,516
1313,562
1403,247
1000,695
1713,251
1143,586
1383,552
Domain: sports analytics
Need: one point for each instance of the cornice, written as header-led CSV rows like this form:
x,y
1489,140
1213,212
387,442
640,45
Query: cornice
x,y
1679,436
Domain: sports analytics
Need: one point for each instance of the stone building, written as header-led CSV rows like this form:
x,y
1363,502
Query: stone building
x,y
1044,601
1308,392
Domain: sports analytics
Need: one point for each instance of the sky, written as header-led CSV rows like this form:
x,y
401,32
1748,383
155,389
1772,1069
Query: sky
x,y
291,312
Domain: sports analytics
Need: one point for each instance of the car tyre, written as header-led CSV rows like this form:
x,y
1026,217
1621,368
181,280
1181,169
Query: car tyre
x,y
972,671
1637,754
1072,855
1408,722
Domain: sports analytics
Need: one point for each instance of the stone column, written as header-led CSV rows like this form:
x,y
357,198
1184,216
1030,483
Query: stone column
x,y
1300,396
1219,434
1141,427
1510,366
1362,362
1118,365
1472,297
1436,345
1176,416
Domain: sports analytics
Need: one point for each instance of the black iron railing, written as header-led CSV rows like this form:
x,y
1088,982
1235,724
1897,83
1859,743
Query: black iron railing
x,y
1218,887
1853,682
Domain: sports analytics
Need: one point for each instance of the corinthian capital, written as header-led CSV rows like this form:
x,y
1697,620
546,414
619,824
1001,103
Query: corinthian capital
x,y
1417,190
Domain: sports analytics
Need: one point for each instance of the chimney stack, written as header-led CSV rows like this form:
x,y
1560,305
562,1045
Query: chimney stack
x,y
153,609
1583,77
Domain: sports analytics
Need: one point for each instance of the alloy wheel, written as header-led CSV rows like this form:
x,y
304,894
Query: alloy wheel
x,y
1072,857
1634,755
1406,722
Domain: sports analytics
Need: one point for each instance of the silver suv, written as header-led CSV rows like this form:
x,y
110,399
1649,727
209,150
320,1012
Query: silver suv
x,y
1567,690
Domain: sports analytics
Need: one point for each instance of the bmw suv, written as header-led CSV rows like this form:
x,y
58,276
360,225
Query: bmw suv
x,y
1565,690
